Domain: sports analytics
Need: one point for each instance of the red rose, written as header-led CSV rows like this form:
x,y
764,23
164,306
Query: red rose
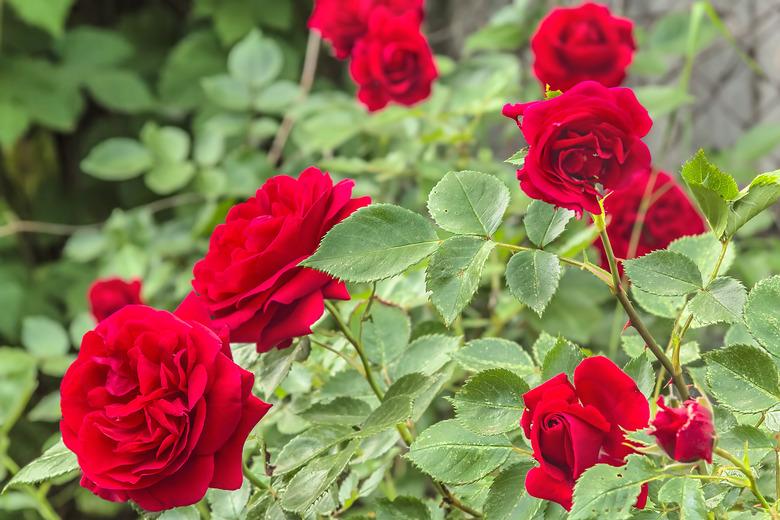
x,y
108,295
392,61
250,282
156,410
342,22
582,43
670,215
573,427
686,433
582,144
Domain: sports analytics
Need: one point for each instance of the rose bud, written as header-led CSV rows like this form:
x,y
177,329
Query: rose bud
x,y
108,295
156,410
582,145
687,433
573,427
250,281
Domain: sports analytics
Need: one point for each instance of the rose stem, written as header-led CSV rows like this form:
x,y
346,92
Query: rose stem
x,y
406,435
749,475
675,340
633,316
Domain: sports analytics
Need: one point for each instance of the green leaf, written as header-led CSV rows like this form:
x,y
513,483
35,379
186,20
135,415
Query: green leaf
x,y
17,383
491,402
277,97
518,158
56,461
311,482
47,409
392,411
712,188
468,202
375,242
545,222
44,337
305,446
14,122
229,505
704,250
762,314
227,92
168,178
275,365
255,60
342,410
746,441
168,144
448,452
505,501
533,278
410,385
687,494
720,302
640,369
485,353
386,333
117,159
49,15
402,508
762,193
180,513
197,55
543,344
605,491
663,306
743,378
92,47
426,354
664,273
119,90
454,272
562,358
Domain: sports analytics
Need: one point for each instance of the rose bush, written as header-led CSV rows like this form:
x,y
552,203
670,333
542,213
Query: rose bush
x,y
409,335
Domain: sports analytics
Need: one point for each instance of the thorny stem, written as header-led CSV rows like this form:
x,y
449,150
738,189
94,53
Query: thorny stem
x,y
403,429
633,316
741,466
351,362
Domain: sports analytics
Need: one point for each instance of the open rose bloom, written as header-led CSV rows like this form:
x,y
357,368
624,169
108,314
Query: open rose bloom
x,y
587,42
582,145
156,410
250,282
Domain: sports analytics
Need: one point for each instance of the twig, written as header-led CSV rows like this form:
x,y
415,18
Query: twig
x,y
307,78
